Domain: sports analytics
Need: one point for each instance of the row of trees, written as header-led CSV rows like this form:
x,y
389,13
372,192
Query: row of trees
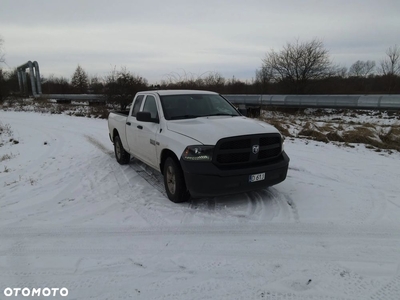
x,y
2,81
298,68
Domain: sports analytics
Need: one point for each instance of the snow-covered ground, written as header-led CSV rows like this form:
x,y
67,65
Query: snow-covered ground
x,y
376,129
71,216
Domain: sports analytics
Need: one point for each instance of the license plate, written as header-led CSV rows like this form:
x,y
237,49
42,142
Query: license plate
x,y
256,177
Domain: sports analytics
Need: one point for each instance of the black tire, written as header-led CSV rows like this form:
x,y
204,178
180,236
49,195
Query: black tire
x,y
174,181
121,155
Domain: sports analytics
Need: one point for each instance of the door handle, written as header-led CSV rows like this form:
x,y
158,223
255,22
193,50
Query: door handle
x,y
128,123
140,126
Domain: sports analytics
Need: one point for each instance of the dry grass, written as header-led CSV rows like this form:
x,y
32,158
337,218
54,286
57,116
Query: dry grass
x,y
278,125
312,131
336,130
6,157
5,129
333,136
314,135
328,127
361,135
5,136
392,139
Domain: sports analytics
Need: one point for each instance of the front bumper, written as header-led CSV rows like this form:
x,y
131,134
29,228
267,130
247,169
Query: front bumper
x,y
205,179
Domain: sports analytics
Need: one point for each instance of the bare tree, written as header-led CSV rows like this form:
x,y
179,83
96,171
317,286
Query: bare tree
x,y
2,59
391,64
56,85
340,71
96,85
362,68
187,80
183,80
121,86
1,86
298,63
80,80
263,78
214,81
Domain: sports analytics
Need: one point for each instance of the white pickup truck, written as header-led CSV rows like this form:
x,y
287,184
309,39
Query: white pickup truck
x,y
200,142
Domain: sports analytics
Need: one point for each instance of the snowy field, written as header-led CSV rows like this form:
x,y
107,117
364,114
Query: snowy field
x,y
71,216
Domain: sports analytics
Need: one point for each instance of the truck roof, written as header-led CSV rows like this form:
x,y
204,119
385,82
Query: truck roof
x,y
177,92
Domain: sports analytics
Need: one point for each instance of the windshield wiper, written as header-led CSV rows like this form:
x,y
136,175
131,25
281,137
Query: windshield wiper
x,y
184,117
220,114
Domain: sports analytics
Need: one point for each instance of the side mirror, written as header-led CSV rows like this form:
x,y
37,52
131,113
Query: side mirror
x,y
145,116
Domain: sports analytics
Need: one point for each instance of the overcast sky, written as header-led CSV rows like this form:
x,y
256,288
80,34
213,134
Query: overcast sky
x,y
157,38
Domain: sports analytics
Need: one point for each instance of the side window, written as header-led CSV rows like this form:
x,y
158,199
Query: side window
x,y
151,106
136,106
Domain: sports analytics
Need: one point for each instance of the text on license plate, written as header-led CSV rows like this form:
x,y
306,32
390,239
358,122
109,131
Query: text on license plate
x,y
256,177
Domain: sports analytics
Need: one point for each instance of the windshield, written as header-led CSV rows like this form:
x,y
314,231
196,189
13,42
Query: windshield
x,y
197,105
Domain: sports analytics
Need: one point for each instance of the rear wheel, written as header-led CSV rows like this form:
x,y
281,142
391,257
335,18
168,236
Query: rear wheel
x,y
121,155
174,181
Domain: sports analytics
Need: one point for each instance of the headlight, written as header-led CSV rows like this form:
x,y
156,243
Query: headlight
x,y
198,153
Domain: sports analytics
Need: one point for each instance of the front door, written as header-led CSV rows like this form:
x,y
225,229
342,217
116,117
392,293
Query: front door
x,y
131,126
147,133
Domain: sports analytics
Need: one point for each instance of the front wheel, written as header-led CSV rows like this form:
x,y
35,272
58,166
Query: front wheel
x,y
174,182
121,155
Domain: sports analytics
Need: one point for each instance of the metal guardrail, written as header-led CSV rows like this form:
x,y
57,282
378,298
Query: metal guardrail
x,y
391,102
319,101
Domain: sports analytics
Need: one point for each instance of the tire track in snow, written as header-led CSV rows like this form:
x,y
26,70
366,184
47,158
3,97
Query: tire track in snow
x,y
368,210
337,279
260,205
193,208
371,210
390,291
378,232
350,287
153,177
206,249
83,286
126,188
254,205
91,244
285,202
99,145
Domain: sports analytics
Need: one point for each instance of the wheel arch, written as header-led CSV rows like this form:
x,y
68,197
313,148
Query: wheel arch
x,y
165,153
115,133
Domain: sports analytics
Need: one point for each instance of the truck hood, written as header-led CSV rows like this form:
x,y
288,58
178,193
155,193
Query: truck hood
x,y
209,130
